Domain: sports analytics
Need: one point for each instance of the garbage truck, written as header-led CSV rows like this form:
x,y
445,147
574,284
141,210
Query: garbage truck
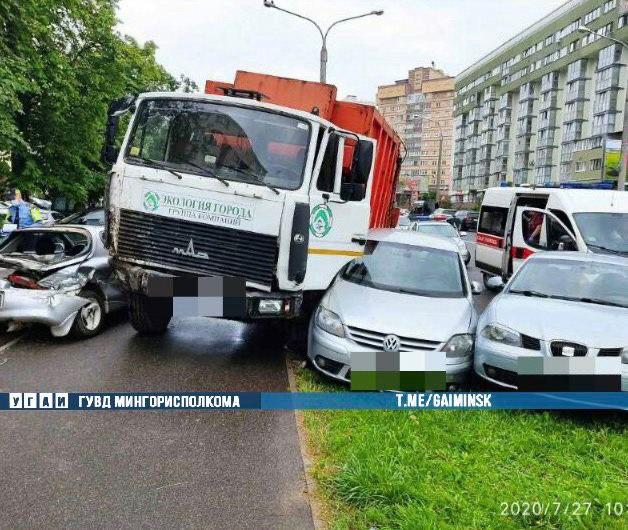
x,y
267,181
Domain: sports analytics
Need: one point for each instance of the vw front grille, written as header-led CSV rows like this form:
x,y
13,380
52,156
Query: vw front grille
x,y
197,248
374,339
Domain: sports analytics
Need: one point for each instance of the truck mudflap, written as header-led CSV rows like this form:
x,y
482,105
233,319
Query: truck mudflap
x,y
210,296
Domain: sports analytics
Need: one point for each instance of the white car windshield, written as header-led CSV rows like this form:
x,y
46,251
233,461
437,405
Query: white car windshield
x,y
226,142
604,231
408,269
443,230
582,281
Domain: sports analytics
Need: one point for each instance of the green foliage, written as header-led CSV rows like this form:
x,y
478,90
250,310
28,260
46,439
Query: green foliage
x,y
61,64
454,469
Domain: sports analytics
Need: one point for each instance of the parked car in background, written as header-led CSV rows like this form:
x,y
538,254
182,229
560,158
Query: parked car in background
x,y
409,286
443,229
442,214
94,217
60,277
557,304
466,220
421,210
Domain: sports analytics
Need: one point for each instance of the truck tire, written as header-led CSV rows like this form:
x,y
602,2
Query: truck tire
x,y
149,316
90,318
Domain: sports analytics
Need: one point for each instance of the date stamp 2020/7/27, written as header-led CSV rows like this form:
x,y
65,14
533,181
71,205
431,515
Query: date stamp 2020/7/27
x,y
570,509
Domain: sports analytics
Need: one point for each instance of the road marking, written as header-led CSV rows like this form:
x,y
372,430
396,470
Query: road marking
x,y
12,342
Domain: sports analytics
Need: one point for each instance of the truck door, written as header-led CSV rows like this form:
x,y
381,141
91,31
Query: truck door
x,y
339,208
536,230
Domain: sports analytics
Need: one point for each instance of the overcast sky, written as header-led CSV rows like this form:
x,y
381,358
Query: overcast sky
x,y
211,39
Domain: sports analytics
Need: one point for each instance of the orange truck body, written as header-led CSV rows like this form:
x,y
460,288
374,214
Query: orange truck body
x,y
320,98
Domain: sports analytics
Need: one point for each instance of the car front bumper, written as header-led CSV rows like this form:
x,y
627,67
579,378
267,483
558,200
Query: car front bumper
x,y
331,355
497,363
51,308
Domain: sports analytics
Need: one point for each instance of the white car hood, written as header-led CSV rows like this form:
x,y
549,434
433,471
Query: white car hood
x,y
406,315
594,325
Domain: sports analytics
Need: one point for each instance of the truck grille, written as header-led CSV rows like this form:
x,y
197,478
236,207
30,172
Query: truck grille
x,y
224,251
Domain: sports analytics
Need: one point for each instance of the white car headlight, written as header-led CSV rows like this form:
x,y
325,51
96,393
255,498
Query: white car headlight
x,y
499,333
459,345
330,322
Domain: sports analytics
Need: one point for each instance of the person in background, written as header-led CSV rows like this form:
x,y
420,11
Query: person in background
x,y
22,213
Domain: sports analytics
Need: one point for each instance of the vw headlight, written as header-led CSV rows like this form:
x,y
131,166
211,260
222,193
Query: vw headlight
x,y
624,355
498,333
330,322
459,345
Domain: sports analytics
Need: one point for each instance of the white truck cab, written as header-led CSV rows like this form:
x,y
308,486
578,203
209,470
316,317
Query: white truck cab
x,y
210,185
517,222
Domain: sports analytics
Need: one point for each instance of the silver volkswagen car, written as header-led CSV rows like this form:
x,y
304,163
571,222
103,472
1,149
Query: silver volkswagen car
x,y
557,304
410,286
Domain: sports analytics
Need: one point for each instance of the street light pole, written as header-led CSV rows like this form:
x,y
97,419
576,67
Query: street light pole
x,y
323,54
621,179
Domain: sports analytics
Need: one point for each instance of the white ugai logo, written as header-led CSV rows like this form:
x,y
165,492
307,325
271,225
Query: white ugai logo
x,y
190,251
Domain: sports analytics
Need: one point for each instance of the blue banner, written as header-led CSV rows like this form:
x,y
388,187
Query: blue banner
x,y
311,400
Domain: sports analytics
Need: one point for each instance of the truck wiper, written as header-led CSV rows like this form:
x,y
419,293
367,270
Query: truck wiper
x,y
255,177
156,165
527,292
606,249
206,171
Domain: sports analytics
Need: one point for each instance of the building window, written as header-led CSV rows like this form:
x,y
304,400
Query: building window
x,y
609,6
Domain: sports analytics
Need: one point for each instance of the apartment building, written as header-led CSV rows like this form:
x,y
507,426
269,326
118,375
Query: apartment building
x,y
547,105
420,108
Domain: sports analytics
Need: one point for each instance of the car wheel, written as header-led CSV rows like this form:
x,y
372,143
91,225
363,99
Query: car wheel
x,y
91,317
149,316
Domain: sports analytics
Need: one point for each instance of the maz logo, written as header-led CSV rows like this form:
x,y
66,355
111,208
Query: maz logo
x,y
190,251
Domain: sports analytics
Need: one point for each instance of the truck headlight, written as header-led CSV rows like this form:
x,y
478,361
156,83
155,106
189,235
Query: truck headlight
x,y
499,333
330,322
459,346
270,306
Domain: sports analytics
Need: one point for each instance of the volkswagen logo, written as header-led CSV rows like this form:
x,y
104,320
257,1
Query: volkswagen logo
x,y
299,239
391,343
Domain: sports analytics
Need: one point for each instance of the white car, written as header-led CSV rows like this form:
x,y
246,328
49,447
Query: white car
x,y
559,304
410,287
444,229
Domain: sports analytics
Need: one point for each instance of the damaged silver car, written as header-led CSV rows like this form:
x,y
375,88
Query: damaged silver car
x,y
60,277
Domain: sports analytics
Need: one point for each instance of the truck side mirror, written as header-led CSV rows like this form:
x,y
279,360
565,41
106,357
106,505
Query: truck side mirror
x,y
350,191
362,162
110,152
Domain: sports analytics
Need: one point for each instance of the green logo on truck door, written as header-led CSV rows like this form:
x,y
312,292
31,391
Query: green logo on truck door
x,y
321,220
151,201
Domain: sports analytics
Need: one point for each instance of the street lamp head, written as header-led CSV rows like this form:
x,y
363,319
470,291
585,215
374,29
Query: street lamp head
x,y
269,3
584,29
378,12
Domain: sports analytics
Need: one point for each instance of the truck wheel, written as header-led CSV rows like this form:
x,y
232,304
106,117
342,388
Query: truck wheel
x,y
149,316
91,317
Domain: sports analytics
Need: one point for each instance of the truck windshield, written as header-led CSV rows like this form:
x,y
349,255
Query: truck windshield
x,y
604,232
408,269
220,140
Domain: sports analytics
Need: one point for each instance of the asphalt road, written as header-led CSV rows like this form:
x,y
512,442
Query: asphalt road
x,y
153,469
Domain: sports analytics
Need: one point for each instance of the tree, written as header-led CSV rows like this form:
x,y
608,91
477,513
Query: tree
x,y
61,64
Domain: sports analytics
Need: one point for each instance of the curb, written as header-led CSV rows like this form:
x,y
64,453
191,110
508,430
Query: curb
x,y
312,489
